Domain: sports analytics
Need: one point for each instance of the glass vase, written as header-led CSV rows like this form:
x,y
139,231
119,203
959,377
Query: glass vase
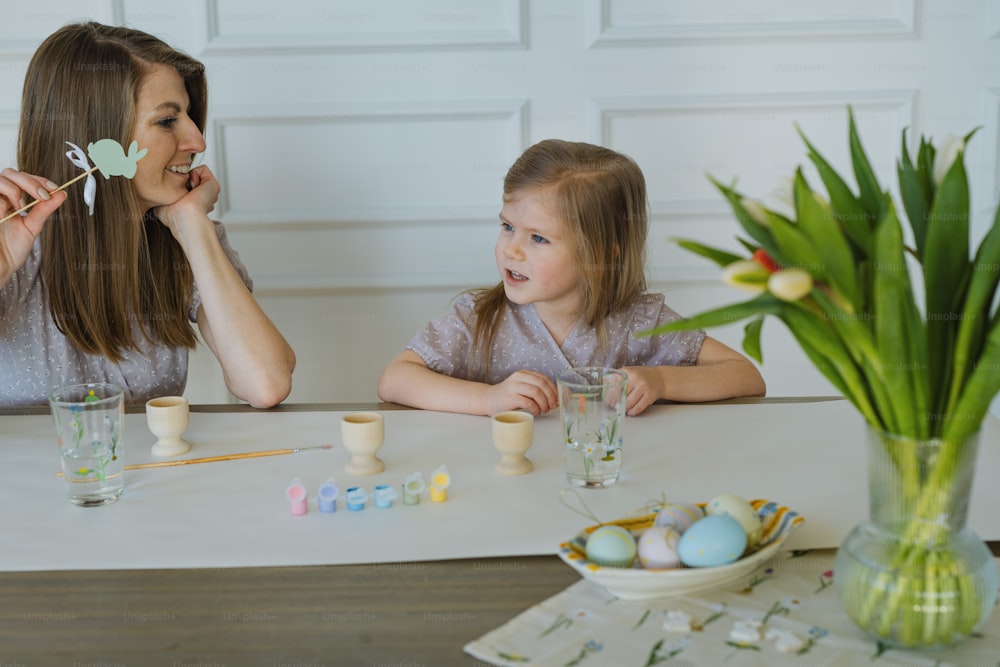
x,y
914,576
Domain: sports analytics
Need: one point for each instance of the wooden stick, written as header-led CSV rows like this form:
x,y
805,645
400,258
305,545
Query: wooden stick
x,y
223,457
61,187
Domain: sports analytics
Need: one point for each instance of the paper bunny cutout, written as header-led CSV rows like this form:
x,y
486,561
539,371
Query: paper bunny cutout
x,y
111,160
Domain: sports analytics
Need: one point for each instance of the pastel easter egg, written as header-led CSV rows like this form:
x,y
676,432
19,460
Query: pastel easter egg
x,y
715,540
679,516
611,546
740,510
658,548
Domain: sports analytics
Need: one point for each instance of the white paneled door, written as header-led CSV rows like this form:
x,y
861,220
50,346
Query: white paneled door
x,y
361,144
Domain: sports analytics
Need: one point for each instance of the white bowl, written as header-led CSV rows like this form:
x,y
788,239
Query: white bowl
x,y
636,583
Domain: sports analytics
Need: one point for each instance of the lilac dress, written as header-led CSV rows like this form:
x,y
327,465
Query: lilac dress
x,y
35,357
523,343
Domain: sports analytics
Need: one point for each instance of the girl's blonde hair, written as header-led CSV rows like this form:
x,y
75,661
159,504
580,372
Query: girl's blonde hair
x,y
120,271
601,196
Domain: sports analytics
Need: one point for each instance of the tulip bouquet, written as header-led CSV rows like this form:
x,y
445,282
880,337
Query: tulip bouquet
x,y
909,332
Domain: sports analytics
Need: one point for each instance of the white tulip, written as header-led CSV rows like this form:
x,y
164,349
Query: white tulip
x,y
945,156
756,210
784,196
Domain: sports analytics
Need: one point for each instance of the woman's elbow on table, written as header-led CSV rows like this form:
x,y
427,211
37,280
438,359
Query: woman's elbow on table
x,y
270,388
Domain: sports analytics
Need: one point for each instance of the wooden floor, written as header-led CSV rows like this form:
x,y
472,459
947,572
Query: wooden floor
x,y
392,614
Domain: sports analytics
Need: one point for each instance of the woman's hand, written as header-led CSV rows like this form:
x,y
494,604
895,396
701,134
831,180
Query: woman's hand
x,y
18,234
526,390
195,205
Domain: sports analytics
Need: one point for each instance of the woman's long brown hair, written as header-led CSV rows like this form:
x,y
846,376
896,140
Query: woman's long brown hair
x,y
120,273
601,195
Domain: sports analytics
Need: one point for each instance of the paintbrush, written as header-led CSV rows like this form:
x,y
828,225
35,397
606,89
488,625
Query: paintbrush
x,y
222,457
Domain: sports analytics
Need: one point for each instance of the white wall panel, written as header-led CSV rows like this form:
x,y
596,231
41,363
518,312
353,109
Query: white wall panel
x,y
326,25
752,138
624,22
24,24
990,139
992,22
433,162
8,137
370,255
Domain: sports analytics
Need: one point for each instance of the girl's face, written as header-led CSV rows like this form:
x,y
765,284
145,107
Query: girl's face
x,y
172,138
536,255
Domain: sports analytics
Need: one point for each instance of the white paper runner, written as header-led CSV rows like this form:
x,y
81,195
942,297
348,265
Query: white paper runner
x,y
809,456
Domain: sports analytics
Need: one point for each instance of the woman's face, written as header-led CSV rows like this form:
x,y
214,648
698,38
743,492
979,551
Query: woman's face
x,y
170,136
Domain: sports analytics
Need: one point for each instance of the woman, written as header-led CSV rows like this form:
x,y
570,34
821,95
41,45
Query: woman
x,y
110,297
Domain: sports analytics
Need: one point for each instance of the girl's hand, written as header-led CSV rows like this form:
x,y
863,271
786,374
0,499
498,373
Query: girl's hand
x,y
645,387
199,201
525,390
18,234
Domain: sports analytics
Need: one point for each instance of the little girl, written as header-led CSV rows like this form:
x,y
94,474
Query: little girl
x,y
571,255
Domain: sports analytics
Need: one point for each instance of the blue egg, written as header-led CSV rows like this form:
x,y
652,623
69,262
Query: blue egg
x,y
715,540
611,546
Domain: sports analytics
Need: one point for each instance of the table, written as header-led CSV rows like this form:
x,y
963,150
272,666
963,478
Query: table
x,y
400,613
397,611
416,614
419,613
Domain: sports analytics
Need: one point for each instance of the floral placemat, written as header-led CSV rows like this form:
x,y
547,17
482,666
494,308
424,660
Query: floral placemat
x,y
786,613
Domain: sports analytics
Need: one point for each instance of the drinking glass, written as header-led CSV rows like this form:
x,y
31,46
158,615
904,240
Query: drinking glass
x,y
89,420
592,408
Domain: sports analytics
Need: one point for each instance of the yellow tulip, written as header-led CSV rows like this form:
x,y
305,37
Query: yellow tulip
x,y
746,275
790,284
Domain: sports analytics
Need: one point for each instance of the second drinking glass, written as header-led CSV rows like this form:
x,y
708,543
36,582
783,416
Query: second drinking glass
x,y
592,408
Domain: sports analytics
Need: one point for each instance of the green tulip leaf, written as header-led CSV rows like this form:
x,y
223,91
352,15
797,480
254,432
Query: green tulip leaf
x,y
832,358
980,388
899,330
751,339
975,319
825,235
946,271
846,206
720,257
870,192
762,304
757,231
793,243
915,190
